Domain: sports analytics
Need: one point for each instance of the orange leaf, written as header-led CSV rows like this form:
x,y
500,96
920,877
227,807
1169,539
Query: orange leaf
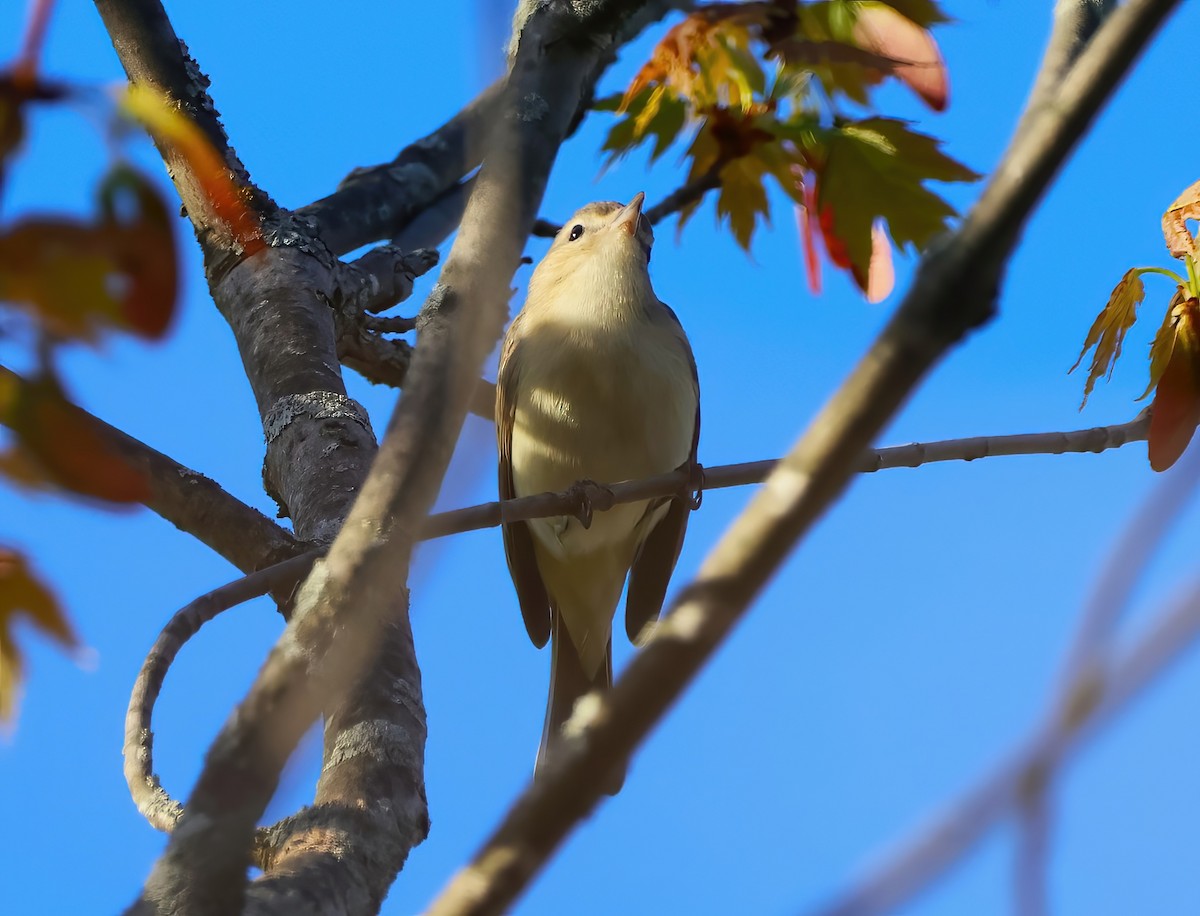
x,y
168,124
21,593
57,444
1176,409
77,278
1180,241
143,247
1107,332
60,268
884,31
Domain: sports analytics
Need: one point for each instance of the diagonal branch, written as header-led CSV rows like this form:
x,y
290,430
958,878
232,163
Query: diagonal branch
x,y
953,292
195,504
378,202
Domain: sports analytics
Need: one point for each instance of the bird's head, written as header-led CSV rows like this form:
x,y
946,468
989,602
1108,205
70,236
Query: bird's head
x,y
603,236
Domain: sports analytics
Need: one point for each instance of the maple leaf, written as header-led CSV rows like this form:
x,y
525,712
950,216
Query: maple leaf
x,y
1107,332
143,249
706,58
743,150
77,277
872,170
923,12
653,113
853,45
1180,241
1175,378
23,594
58,446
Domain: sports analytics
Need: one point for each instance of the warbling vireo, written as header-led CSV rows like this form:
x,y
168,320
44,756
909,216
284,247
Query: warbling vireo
x,y
596,382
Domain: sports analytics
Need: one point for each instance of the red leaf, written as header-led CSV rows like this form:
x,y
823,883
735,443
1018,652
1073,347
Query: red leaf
x,y
809,227
1176,409
882,30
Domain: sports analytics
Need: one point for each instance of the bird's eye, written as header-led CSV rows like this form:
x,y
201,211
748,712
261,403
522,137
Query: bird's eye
x,y
646,248
576,232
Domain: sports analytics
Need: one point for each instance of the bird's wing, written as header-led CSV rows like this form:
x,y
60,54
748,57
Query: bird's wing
x,y
658,553
518,540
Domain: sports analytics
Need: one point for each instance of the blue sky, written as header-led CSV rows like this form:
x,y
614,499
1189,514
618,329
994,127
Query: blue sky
x,y
906,646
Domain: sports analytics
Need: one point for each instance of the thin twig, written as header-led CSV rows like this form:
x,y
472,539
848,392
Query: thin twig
x,y
953,292
600,497
155,804
162,811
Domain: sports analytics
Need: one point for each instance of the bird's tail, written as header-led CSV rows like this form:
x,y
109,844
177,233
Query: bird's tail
x,y
569,682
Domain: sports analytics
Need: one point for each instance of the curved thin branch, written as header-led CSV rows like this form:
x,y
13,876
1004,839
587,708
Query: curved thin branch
x,y
954,292
147,792
195,504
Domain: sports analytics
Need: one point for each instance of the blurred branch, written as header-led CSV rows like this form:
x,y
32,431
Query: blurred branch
x,y
1075,22
1033,847
195,504
954,292
1090,688
949,836
588,496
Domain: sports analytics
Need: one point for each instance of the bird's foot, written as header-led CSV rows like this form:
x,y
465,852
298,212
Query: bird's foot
x,y
589,497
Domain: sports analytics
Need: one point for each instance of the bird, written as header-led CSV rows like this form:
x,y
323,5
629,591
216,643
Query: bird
x,y
597,382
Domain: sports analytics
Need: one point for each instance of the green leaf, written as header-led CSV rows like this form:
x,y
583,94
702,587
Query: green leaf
x,y
876,169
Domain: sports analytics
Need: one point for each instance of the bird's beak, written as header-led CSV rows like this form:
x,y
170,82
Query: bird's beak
x,y
627,217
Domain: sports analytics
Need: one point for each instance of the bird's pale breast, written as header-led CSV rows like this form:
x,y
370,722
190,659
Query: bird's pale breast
x,y
608,404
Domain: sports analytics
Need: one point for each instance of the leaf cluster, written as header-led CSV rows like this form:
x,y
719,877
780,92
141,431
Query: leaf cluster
x,y
760,88
1175,351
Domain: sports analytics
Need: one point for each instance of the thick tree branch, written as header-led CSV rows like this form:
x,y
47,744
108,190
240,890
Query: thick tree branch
x,y
379,201
319,447
351,595
195,504
953,292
